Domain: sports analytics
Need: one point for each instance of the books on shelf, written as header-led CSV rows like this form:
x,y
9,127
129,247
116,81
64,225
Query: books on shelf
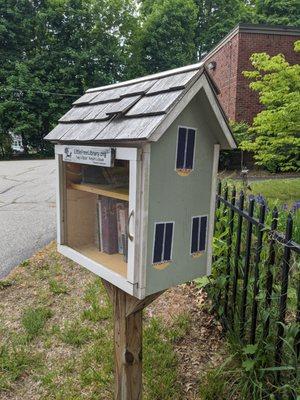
x,y
99,227
112,225
122,218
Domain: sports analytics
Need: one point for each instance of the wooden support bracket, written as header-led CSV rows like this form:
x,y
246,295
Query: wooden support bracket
x,y
128,329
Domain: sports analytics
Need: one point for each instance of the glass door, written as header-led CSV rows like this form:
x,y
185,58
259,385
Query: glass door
x,y
98,207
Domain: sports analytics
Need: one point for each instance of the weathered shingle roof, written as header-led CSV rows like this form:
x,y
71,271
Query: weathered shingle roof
x,y
130,110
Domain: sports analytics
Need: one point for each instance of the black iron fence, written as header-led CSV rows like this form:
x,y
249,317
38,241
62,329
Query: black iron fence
x,y
256,287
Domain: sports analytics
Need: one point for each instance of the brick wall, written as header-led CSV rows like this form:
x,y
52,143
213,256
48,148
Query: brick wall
x,y
225,74
240,103
247,102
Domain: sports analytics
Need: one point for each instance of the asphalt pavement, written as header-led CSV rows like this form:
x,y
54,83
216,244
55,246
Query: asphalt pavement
x,y
27,210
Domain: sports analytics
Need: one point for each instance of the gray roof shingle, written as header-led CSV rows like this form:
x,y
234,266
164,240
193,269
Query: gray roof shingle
x,y
130,110
155,104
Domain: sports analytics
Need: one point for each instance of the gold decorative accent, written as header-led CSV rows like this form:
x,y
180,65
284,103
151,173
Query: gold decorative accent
x,y
162,265
183,172
198,254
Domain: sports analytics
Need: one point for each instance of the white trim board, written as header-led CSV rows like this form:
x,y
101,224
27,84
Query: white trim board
x,y
143,233
212,208
122,153
97,269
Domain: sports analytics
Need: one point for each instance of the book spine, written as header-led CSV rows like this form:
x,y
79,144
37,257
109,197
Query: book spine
x,y
99,218
125,246
109,225
124,229
119,207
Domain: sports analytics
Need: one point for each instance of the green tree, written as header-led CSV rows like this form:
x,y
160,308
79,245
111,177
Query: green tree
x,y
275,134
67,46
278,12
240,131
216,18
166,38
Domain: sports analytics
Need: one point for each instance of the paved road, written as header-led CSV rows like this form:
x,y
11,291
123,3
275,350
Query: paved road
x,y
27,209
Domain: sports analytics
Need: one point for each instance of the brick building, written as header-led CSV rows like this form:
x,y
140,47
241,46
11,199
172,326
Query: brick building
x,y
231,56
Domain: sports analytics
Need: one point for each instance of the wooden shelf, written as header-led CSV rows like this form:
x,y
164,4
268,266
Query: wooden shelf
x,y
114,262
120,193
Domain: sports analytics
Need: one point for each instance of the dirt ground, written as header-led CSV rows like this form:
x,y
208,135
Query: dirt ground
x,y
202,346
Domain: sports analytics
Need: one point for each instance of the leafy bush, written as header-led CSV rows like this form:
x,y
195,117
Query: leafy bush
x,y
253,372
275,132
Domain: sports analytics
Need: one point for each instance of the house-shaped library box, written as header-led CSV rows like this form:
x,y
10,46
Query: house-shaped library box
x,y
137,164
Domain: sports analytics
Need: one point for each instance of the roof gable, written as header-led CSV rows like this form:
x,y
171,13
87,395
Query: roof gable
x,y
133,110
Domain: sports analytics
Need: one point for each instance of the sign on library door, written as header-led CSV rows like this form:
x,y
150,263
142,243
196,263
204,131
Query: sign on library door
x,y
103,157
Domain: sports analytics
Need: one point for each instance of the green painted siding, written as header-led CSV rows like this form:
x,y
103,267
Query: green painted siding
x,y
176,198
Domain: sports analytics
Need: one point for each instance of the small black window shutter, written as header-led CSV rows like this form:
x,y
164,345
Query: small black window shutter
x,y
189,159
195,234
199,233
202,236
181,146
163,240
158,242
168,241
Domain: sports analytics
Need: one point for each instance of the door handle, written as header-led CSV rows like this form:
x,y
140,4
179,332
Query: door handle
x,y
130,236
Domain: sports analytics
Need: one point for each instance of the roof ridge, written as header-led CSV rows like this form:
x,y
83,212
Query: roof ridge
x,y
163,74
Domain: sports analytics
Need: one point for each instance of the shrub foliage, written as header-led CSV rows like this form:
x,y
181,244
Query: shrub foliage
x,y
274,136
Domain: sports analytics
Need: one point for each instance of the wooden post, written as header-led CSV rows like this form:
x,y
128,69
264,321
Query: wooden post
x,y
128,329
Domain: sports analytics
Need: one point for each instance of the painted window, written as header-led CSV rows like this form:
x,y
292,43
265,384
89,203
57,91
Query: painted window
x,y
199,233
185,149
163,242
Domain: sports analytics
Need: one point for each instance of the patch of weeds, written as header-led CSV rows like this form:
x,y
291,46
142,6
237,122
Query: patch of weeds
x,y
213,387
57,390
76,335
34,320
25,263
48,380
15,338
57,268
15,362
43,272
5,283
179,328
55,329
57,287
100,307
97,368
69,366
62,383
160,364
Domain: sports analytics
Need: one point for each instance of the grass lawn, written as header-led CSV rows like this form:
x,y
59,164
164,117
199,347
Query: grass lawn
x,y
285,191
282,191
56,336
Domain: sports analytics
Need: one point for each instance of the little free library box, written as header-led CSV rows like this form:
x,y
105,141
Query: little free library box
x,y
137,164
